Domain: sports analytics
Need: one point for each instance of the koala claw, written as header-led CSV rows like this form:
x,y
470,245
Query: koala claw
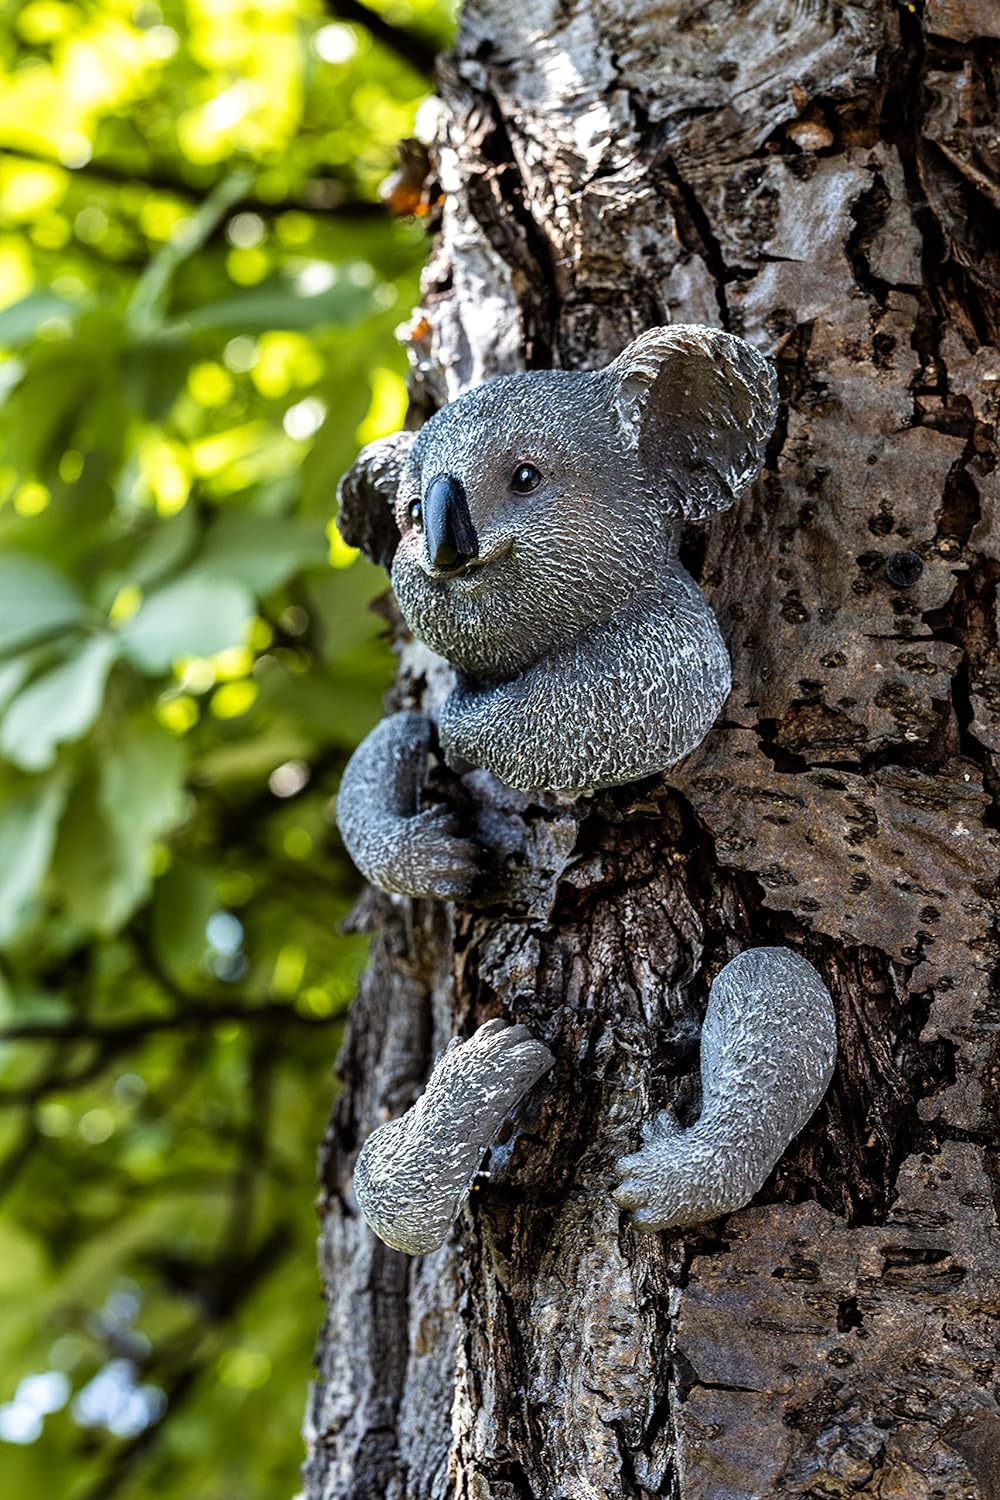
x,y
641,1173
413,1174
641,1190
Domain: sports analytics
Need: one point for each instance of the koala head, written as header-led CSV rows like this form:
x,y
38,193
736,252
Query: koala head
x,y
538,504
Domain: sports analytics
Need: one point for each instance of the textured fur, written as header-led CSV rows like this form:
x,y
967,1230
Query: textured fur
x,y
577,601
768,1051
586,657
414,1173
400,848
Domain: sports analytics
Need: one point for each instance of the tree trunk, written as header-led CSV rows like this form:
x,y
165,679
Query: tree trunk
x,y
822,177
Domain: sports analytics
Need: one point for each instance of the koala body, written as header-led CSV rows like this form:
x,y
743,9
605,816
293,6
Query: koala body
x,y
531,529
586,654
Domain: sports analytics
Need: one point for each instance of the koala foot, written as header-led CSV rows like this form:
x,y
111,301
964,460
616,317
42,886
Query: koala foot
x,y
395,845
413,1174
768,1051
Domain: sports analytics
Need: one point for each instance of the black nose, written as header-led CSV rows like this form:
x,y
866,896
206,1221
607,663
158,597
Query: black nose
x,y
448,529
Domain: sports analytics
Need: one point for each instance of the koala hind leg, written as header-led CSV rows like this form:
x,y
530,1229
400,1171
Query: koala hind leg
x,y
768,1051
413,1174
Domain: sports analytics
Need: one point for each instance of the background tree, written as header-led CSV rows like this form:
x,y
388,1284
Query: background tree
x,y
822,179
199,285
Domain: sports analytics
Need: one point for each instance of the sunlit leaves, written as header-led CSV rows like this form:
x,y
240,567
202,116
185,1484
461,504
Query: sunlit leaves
x,y
21,321
183,903
278,304
388,406
147,305
141,798
197,300
258,551
166,546
14,672
132,793
94,884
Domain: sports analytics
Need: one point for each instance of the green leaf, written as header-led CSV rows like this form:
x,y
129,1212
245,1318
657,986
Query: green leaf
x,y
153,374
135,796
86,864
253,759
21,320
166,548
58,706
333,449
259,552
31,1002
142,782
333,710
69,396
35,601
341,599
184,899
193,616
279,305
28,823
13,674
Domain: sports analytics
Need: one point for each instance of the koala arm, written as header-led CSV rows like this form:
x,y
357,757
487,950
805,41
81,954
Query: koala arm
x,y
395,845
628,698
768,1051
413,1174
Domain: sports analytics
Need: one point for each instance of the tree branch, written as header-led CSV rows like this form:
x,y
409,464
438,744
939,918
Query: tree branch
x,y
273,1013
320,195
413,47
60,1082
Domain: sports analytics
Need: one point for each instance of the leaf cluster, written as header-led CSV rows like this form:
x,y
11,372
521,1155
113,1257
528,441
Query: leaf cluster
x,y
199,287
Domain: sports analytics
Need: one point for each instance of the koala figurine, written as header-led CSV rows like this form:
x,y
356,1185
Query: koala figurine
x,y
531,529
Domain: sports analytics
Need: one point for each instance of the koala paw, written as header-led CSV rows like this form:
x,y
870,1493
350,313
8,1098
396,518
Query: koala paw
x,y
398,847
414,1174
494,1065
426,856
662,1185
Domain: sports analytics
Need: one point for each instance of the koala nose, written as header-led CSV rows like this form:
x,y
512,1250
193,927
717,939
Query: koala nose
x,y
450,535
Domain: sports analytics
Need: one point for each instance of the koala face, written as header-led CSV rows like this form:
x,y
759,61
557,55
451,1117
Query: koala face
x,y
522,521
534,507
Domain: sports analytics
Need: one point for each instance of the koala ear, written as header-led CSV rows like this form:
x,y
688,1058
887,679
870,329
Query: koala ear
x,y
697,406
367,496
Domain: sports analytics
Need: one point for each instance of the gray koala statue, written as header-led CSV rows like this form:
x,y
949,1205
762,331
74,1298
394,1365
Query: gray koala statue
x,y
531,529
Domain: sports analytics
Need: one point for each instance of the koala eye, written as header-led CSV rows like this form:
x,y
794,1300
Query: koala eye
x,y
524,479
416,515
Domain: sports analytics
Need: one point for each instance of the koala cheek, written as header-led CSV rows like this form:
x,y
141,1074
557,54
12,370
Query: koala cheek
x,y
410,550
406,577
418,600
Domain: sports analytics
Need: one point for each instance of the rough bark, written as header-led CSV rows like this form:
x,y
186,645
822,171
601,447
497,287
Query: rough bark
x,y
824,179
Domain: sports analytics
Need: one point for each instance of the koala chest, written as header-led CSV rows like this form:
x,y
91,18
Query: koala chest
x,y
625,700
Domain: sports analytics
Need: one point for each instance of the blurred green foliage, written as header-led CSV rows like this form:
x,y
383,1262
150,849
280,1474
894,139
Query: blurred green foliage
x,y
198,291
